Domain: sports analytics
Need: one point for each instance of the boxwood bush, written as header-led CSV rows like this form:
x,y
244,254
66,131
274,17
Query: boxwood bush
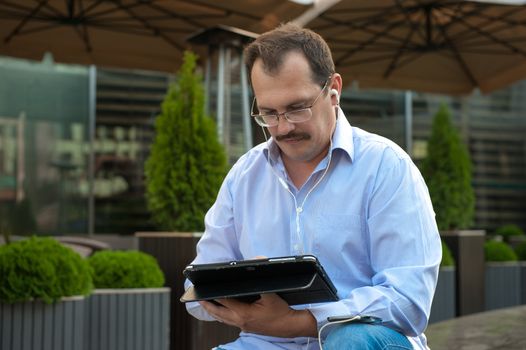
x,y
125,269
41,268
508,231
498,251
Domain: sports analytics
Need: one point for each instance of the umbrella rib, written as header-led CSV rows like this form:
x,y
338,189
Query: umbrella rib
x,y
91,6
23,22
207,5
364,22
401,49
84,34
19,10
370,41
503,19
369,60
154,29
161,9
489,20
459,58
39,29
175,15
512,48
70,5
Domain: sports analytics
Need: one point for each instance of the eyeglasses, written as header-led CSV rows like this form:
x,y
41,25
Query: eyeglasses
x,y
299,115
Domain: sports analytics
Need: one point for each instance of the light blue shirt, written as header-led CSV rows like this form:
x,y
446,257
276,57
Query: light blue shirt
x,y
367,217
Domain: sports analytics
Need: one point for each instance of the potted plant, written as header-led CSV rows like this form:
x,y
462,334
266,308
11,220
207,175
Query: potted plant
x,y
42,289
184,171
187,163
129,307
447,171
443,307
503,284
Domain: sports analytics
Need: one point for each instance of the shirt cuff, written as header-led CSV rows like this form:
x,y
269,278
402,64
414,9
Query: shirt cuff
x,y
196,310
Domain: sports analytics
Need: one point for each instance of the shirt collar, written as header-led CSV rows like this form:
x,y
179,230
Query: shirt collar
x,y
342,138
343,135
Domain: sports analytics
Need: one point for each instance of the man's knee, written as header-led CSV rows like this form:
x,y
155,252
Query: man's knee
x,y
363,337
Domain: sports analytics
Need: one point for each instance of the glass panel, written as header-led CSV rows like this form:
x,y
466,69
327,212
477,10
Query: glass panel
x,y
43,147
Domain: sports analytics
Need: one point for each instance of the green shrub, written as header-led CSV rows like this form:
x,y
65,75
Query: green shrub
x,y
125,269
187,163
447,257
520,251
507,231
41,268
447,171
498,251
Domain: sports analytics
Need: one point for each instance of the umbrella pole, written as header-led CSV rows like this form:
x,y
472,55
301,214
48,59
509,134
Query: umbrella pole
x,y
247,127
408,97
92,93
220,93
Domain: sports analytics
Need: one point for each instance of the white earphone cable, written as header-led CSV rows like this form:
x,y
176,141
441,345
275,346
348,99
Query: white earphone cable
x,y
299,209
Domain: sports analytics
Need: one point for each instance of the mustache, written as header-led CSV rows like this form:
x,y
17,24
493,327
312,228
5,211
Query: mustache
x,y
293,135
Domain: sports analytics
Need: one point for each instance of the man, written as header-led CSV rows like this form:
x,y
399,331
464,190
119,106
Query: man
x,y
319,186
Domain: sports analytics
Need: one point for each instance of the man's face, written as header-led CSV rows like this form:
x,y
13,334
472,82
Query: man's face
x,y
289,89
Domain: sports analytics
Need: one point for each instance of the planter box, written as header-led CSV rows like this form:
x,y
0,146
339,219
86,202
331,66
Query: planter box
x,y
503,285
173,251
34,325
467,248
444,306
127,319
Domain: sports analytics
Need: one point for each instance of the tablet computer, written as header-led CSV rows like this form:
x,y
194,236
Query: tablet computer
x,y
296,279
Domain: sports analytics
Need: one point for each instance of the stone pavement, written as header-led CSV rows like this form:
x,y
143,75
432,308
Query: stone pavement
x,y
503,329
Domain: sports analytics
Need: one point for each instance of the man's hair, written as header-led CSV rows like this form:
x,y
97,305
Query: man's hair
x,y
273,46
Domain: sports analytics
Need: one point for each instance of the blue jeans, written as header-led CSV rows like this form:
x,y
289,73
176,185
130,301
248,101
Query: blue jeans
x,y
362,336
365,337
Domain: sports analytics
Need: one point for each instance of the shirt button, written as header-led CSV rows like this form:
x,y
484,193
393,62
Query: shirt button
x,y
296,247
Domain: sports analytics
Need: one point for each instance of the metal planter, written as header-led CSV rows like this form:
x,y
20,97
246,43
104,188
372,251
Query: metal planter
x,y
503,285
127,319
34,325
444,301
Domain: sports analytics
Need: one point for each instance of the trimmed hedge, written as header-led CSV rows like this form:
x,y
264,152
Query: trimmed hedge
x,y
498,251
507,231
125,269
41,268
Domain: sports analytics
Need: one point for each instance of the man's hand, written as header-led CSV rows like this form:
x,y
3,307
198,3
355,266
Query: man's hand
x,y
270,315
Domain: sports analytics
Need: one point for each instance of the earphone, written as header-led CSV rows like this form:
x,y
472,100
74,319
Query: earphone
x,y
334,92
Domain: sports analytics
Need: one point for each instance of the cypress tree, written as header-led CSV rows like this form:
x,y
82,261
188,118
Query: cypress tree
x,y
447,171
187,163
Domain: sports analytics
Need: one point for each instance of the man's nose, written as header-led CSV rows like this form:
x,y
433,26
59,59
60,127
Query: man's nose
x,y
284,126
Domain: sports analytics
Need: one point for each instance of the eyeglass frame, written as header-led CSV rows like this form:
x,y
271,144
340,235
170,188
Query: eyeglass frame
x,y
284,114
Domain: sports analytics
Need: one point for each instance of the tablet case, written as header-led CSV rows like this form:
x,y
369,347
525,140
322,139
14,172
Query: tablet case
x,y
297,279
